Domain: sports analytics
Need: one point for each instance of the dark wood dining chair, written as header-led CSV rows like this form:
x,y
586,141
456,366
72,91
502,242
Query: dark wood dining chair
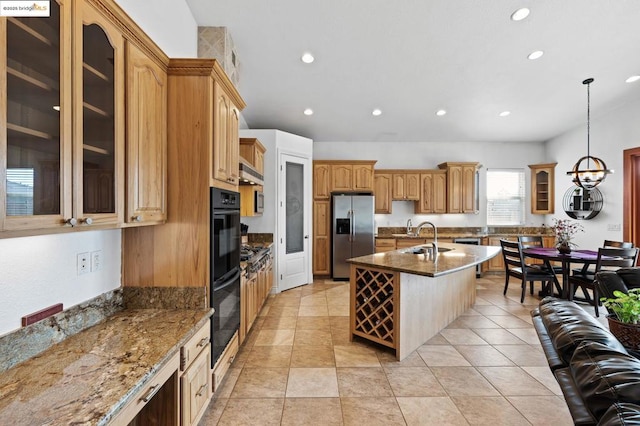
x,y
533,241
586,269
515,267
610,258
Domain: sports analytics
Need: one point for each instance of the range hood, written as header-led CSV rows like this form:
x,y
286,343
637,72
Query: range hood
x,y
249,175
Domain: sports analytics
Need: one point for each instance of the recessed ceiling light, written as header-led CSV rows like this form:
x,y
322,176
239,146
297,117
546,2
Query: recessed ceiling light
x,y
56,107
308,111
307,58
520,14
632,79
504,113
441,112
376,112
535,55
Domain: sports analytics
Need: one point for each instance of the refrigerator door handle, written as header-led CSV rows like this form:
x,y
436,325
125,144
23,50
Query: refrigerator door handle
x,y
353,225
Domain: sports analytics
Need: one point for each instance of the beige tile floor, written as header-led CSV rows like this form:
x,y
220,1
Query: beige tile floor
x,y
298,367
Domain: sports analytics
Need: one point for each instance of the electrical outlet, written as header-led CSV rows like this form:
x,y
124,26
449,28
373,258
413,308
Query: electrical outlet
x,y
96,260
83,263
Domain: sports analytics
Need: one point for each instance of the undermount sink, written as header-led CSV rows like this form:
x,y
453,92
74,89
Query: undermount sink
x,y
425,249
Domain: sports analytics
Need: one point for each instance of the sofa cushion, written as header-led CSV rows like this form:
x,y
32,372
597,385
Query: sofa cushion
x,y
568,325
605,376
620,414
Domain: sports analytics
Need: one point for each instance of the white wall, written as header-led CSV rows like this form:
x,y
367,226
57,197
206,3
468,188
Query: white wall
x,y
427,155
169,23
37,272
40,271
610,135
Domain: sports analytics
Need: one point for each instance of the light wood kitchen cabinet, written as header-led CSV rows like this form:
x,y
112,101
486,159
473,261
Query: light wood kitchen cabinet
x,y
363,177
248,199
321,237
146,138
255,287
462,189
225,151
433,192
63,119
382,191
406,186
66,122
409,242
224,362
543,188
321,181
253,151
195,382
385,244
341,177
177,254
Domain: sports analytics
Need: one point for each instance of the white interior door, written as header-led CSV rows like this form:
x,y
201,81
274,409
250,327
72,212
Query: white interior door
x,y
294,201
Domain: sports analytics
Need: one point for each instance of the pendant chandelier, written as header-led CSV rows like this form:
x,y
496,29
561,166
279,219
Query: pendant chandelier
x,y
595,170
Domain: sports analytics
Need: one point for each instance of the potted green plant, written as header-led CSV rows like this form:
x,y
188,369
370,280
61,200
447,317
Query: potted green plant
x,y
624,321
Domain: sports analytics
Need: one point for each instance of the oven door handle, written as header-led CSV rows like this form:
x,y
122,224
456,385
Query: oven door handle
x,y
229,282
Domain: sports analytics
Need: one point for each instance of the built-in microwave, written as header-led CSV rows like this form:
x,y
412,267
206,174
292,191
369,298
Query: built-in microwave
x,y
258,201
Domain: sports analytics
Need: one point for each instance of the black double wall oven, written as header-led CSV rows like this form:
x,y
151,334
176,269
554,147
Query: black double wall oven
x,y
225,268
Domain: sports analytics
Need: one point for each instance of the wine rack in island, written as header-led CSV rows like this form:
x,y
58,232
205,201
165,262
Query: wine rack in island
x,y
374,297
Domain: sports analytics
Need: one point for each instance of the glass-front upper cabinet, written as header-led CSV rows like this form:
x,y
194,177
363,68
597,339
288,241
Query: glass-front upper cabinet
x,y
99,118
35,155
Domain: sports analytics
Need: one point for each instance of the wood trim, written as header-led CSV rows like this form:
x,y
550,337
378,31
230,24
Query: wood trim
x,y
130,30
631,195
202,67
352,162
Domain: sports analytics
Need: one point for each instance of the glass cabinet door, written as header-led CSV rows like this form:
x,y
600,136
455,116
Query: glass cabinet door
x,y
35,141
98,132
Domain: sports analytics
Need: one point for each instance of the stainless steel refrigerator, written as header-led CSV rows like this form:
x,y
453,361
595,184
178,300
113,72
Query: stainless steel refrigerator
x,y
353,230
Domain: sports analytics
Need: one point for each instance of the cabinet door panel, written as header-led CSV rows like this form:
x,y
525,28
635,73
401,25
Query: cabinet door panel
x,y
146,138
398,192
99,123
412,186
321,181
362,177
35,141
341,177
382,192
220,156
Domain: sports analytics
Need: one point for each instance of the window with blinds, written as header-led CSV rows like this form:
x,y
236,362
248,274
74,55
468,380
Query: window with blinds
x,y
19,192
505,197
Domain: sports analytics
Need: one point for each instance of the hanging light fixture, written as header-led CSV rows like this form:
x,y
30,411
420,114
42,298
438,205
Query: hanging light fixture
x,y
596,170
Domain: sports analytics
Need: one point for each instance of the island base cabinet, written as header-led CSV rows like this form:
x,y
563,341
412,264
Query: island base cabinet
x,y
373,301
402,310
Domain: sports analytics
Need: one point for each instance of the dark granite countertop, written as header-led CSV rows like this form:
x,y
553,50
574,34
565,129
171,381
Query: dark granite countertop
x,y
89,377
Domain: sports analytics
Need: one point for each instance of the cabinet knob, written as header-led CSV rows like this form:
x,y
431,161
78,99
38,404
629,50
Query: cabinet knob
x,y
72,221
87,221
137,218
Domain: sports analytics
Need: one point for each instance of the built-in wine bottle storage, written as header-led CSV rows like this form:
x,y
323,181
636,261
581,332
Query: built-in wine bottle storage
x,y
375,302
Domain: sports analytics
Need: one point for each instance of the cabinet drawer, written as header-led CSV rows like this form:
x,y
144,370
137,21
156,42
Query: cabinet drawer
x,y
194,346
223,364
195,388
386,242
409,242
138,401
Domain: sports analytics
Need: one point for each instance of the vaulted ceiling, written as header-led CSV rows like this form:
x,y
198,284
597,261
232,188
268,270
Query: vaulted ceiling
x,y
411,58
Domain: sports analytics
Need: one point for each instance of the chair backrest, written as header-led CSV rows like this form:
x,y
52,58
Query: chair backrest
x,y
616,257
617,244
530,241
512,254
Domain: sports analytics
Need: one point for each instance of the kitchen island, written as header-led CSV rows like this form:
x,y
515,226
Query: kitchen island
x,y
402,298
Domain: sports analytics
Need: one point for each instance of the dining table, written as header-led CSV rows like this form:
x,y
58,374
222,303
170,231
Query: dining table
x,y
551,254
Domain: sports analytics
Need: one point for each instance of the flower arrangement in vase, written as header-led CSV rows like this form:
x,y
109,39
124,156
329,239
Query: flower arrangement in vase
x,y
565,230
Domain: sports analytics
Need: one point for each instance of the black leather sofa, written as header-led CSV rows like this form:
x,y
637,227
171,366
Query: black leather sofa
x,y
599,378
623,279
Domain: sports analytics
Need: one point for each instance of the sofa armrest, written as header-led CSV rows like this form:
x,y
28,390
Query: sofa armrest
x,y
553,358
572,396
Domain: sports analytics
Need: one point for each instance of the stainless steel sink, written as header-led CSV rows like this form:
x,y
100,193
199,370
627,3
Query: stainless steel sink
x,y
405,236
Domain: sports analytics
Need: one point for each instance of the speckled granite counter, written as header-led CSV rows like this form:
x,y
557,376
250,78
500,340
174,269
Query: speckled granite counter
x,y
88,378
461,256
